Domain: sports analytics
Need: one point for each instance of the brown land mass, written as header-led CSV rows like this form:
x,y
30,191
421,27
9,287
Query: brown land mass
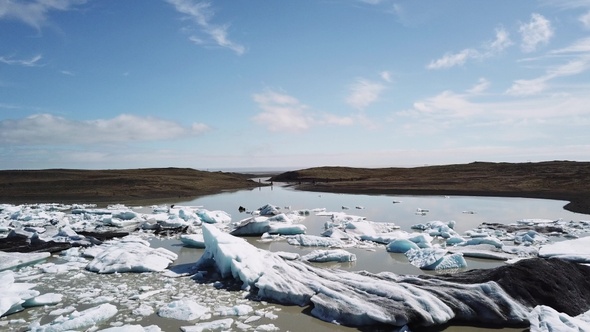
x,y
131,186
561,180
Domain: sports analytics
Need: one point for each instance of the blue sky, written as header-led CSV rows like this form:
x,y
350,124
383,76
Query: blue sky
x,y
292,84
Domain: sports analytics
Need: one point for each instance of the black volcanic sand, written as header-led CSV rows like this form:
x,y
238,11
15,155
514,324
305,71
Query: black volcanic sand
x,y
560,180
139,186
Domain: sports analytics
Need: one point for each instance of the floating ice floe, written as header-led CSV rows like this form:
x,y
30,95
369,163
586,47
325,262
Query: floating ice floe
x,y
130,254
193,240
184,309
12,260
314,241
132,328
577,250
216,325
78,320
335,255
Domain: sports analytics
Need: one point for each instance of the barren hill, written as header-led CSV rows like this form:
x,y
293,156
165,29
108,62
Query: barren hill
x,y
563,180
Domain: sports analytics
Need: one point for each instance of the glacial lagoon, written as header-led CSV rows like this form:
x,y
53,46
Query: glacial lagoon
x,y
82,289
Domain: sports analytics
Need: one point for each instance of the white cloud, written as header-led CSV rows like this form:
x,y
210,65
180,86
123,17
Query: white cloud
x,y
527,87
502,40
34,13
585,19
481,86
201,13
32,62
332,119
579,46
538,31
47,129
451,60
537,85
386,76
363,93
446,105
281,112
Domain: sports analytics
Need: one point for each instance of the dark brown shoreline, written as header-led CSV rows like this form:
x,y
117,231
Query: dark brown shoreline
x,y
128,186
558,180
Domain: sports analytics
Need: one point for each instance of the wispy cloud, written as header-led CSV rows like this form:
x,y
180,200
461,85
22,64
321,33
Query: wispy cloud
x,y
202,14
481,86
281,112
47,129
363,93
578,52
453,59
501,42
32,62
538,31
585,20
579,46
34,13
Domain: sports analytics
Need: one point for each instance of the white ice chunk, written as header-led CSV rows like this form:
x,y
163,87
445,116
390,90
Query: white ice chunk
x,y
45,299
269,210
212,217
78,320
435,259
13,294
252,226
131,255
286,229
183,310
546,319
216,325
193,240
484,240
335,255
12,260
237,310
314,241
577,250
401,246
132,328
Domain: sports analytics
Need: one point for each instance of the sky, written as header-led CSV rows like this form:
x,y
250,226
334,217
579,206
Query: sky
x,y
246,84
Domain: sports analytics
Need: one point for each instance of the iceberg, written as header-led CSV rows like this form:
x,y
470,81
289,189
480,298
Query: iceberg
x,y
356,298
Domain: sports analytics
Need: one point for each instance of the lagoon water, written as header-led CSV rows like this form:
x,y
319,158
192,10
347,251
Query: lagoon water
x,y
81,287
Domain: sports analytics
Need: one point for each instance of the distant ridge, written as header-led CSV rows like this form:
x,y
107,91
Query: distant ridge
x,y
115,186
562,180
